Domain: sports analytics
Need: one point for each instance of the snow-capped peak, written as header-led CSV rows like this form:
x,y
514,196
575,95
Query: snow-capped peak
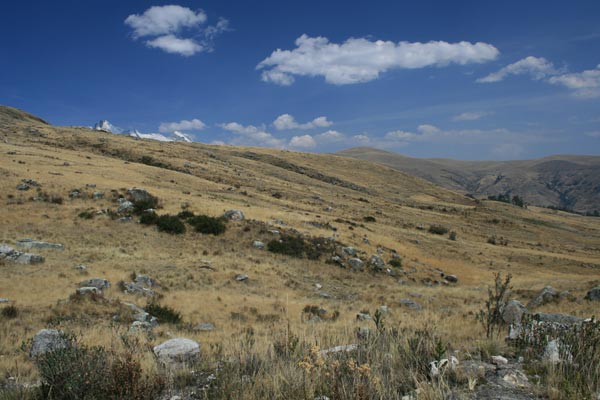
x,y
106,126
181,137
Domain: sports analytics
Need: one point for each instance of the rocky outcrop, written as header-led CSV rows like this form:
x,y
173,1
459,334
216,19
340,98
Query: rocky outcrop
x,y
9,254
36,244
48,340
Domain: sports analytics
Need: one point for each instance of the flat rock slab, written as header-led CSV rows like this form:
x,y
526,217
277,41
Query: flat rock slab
x,y
37,244
9,254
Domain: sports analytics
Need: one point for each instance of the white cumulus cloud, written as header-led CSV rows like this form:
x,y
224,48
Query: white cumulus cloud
x,y
401,135
167,26
470,116
536,67
331,136
173,44
287,121
585,84
183,125
360,60
304,141
251,135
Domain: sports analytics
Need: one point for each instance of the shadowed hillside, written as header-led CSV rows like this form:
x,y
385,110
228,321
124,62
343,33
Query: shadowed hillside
x,y
563,181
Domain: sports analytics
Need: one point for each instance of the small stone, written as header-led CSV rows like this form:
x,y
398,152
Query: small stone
x,y
499,360
257,244
125,207
363,332
22,186
593,294
363,317
383,310
349,251
98,283
88,290
80,267
241,277
4,300
140,326
97,195
377,262
204,327
451,278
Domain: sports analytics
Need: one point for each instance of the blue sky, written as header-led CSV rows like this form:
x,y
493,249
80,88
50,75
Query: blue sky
x,y
462,79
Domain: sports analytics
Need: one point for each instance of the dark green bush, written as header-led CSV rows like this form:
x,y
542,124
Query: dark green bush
x,y
149,218
10,312
299,247
396,262
170,224
438,229
164,314
369,218
207,225
185,215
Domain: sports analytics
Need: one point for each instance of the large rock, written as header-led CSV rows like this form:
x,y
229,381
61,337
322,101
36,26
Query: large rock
x,y
178,352
48,340
139,195
9,254
125,207
146,281
377,262
546,295
356,263
513,312
593,294
36,244
136,288
557,319
413,305
349,251
234,215
98,283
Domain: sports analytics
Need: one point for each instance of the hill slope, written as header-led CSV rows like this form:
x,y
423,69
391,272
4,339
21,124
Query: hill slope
x,y
332,201
564,181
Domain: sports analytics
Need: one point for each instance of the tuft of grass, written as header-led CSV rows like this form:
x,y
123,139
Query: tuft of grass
x,y
438,229
10,312
164,314
86,215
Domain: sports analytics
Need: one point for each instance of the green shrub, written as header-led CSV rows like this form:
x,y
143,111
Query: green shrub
x,y
170,224
149,218
396,262
299,247
438,229
81,372
452,235
10,312
369,219
164,314
498,296
207,225
185,214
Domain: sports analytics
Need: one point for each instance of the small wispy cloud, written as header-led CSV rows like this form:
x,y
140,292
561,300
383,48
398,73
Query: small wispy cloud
x,y
166,25
183,125
470,116
536,67
304,142
251,135
287,121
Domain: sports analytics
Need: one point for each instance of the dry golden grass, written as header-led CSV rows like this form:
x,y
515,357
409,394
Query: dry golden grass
x,y
544,247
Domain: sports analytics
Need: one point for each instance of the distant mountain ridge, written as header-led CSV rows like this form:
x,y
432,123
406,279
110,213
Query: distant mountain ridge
x,y
176,136
563,181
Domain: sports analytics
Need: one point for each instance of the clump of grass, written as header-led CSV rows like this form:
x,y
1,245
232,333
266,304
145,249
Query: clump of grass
x,y
207,225
438,229
164,314
369,218
396,262
86,215
10,312
170,224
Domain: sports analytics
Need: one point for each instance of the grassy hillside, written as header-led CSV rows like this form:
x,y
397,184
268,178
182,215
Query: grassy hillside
x,y
376,209
564,181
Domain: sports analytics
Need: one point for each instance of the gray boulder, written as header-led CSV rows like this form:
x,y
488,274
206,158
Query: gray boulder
x,y
139,195
97,195
177,352
257,244
451,278
363,332
125,207
22,186
546,295
241,277
9,254
552,352
88,290
146,281
349,251
513,312
136,288
413,305
234,215
593,294
36,244
557,319
98,283
356,263
48,340
377,262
